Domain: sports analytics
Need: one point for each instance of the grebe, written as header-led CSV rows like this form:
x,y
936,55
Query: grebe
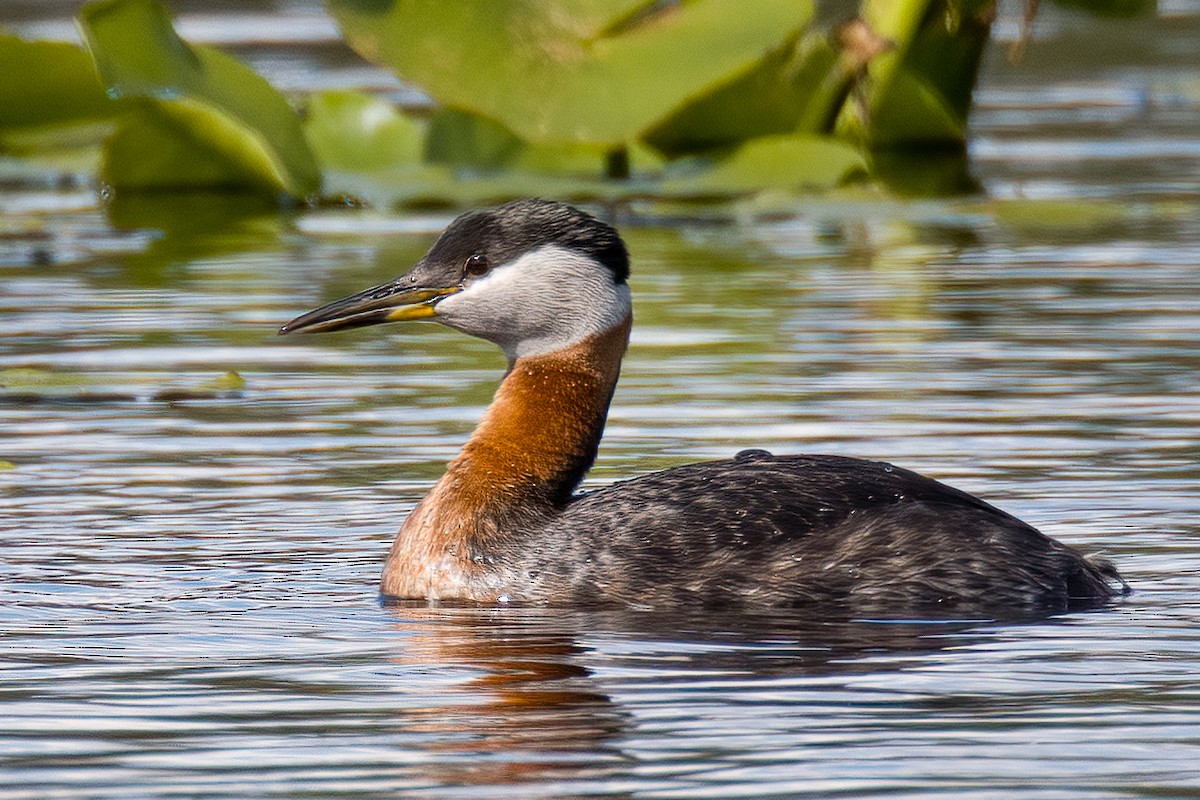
x,y
547,283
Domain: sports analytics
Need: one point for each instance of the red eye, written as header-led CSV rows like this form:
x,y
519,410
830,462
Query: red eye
x,y
476,264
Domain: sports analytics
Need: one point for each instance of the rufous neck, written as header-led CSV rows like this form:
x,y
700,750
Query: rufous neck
x,y
540,434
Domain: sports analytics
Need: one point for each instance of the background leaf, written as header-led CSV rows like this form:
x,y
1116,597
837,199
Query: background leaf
x,y
459,138
475,145
48,83
773,162
357,132
240,131
587,71
56,109
797,88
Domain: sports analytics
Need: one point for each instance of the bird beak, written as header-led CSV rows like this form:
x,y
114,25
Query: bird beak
x,y
401,299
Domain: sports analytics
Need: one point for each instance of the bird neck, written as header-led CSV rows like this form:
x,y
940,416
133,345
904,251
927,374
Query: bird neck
x,y
533,446
540,434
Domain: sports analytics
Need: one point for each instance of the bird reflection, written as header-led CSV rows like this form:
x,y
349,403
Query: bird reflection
x,y
522,704
509,696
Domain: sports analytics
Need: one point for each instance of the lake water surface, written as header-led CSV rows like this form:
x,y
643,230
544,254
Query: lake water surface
x,y
188,606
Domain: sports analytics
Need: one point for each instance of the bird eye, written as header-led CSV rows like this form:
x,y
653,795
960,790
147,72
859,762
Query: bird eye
x,y
477,264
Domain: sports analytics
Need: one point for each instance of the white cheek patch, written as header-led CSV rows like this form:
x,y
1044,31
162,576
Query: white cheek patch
x,y
548,299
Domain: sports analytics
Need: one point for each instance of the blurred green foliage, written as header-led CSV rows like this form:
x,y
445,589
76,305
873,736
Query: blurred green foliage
x,y
56,102
197,118
594,72
572,98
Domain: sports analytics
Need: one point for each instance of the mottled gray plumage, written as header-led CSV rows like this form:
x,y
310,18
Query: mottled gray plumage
x,y
806,530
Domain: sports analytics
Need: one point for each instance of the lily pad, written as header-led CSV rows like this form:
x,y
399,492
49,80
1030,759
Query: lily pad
x,y
913,112
432,185
357,132
35,387
795,89
477,146
923,172
773,162
587,71
229,382
39,379
217,122
459,138
790,163
1061,216
57,88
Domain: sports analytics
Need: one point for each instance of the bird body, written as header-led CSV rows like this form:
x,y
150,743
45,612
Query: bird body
x,y
547,283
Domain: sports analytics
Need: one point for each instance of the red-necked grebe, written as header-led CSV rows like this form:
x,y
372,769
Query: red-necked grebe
x,y
547,283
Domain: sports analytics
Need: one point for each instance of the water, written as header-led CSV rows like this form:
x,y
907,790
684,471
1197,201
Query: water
x,y
188,602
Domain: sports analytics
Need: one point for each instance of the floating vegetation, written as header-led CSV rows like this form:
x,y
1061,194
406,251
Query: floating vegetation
x,y
604,99
29,386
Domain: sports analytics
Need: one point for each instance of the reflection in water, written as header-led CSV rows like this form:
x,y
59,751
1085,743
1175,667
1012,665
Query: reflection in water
x,y
533,714
538,705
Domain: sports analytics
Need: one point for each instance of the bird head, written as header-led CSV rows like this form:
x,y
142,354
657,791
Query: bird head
x,y
532,276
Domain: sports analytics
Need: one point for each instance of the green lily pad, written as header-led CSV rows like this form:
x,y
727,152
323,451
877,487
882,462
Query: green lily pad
x,y
57,88
460,139
353,131
477,146
229,382
432,185
216,121
798,88
35,386
162,146
1060,216
588,71
791,163
56,116
39,379
914,112
469,159
773,162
